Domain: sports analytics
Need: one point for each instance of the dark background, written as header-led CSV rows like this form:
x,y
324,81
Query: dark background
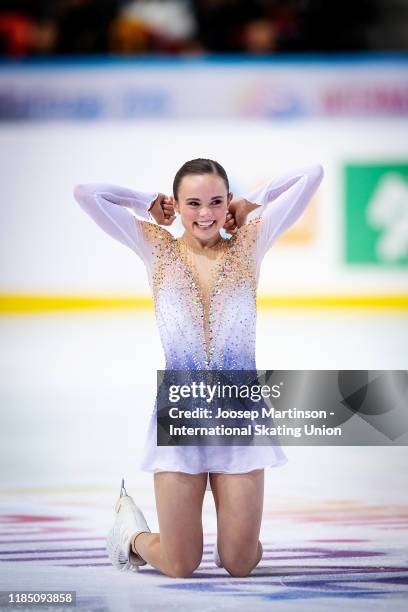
x,y
258,27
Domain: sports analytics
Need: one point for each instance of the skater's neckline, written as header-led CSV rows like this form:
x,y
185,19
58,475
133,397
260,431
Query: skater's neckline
x,y
218,246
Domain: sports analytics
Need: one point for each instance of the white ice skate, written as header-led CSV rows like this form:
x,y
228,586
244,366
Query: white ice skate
x,y
129,521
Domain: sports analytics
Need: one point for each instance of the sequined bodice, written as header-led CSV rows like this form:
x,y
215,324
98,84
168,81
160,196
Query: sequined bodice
x,y
205,305
205,271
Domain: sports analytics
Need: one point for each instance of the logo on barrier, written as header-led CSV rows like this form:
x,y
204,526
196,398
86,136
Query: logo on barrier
x,y
376,211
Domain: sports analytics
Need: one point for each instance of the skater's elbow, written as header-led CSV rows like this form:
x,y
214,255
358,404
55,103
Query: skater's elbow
x,y
85,196
317,173
79,192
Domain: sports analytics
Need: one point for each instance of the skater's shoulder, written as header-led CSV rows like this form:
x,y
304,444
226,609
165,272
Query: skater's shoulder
x,y
155,233
247,233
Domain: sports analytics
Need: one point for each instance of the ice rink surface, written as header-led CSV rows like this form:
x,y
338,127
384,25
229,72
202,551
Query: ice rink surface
x,y
77,392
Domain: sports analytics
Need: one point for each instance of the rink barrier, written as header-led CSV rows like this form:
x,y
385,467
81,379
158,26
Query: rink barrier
x,y
159,61
30,303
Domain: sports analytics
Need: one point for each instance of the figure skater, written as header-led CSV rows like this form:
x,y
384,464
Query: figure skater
x,y
204,289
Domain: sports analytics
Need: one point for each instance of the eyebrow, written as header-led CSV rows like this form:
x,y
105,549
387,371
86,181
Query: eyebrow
x,y
214,198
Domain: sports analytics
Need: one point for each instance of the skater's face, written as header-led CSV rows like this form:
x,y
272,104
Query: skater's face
x,y
202,202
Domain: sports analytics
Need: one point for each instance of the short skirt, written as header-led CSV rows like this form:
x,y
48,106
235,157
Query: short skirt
x,y
199,459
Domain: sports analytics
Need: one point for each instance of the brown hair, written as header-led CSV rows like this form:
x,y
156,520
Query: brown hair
x,y
199,166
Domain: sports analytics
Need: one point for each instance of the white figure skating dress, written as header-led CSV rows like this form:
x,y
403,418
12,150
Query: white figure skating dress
x,y
205,305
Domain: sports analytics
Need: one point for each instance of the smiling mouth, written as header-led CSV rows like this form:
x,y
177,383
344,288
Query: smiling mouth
x,y
204,225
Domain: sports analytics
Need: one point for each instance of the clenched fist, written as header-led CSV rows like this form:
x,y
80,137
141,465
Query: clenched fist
x,y
162,209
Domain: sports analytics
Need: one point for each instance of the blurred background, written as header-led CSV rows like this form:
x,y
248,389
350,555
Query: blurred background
x,y
124,92
65,27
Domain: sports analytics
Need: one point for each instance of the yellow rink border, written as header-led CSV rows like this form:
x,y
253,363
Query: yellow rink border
x,y
366,302
29,303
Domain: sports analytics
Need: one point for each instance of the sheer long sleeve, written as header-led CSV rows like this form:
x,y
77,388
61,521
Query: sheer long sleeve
x,y
110,207
281,202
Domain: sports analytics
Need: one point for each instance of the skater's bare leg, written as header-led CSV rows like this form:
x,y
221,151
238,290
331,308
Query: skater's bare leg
x,y
178,549
239,504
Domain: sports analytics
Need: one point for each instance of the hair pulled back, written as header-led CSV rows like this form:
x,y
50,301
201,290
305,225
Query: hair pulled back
x,y
199,166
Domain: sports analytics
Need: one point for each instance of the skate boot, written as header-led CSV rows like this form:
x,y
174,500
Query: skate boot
x,y
129,522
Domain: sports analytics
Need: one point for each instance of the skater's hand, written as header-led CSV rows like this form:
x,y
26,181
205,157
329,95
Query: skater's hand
x,y
162,209
236,215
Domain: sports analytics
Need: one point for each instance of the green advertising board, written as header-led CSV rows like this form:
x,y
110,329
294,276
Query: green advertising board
x,y
376,214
